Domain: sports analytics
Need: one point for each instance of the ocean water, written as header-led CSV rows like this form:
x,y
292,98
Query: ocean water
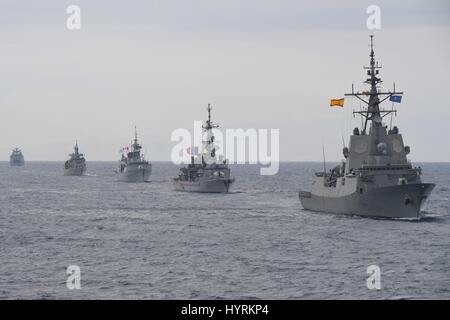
x,y
146,241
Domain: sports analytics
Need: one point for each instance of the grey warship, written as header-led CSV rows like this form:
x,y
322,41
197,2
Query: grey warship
x,y
76,165
16,159
205,173
376,179
133,167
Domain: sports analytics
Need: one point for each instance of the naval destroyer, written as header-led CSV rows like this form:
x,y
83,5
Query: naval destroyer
x,y
132,166
376,179
16,158
205,173
76,165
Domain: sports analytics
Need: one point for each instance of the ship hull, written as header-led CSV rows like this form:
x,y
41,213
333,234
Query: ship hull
x,y
204,186
78,171
399,201
17,164
135,174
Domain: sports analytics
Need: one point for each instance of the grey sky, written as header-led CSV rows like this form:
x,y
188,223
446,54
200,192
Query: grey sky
x,y
262,64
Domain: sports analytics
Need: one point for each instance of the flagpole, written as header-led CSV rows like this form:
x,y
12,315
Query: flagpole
x,y
324,163
392,109
362,120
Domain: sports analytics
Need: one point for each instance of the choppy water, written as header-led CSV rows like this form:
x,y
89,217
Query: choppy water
x,y
147,241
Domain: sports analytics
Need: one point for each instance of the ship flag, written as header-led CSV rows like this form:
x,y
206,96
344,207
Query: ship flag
x,y
124,150
337,102
395,98
192,151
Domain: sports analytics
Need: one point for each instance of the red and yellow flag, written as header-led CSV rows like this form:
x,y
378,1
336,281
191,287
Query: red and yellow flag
x,y
337,102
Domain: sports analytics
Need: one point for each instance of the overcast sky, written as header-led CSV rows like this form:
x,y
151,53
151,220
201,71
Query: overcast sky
x,y
262,64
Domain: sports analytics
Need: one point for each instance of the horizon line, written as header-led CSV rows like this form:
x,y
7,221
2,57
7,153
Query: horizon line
x,y
283,161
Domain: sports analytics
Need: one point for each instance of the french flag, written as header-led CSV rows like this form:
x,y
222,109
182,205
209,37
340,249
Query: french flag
x,y
192,151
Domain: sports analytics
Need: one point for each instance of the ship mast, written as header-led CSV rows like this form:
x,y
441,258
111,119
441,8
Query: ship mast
x,y
209,125
373,111
134,144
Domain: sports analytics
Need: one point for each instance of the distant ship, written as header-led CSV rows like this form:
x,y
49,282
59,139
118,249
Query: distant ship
x,y
133,167
76,165
16,158
205,173
376,179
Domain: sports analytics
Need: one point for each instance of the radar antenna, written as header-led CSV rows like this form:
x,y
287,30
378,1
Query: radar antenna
x,y
373,111
135,135
209,124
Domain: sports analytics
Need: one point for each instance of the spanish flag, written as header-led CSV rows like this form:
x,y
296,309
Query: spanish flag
x,y
337,102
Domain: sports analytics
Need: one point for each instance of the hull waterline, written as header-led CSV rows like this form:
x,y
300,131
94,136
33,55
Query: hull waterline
x,y
135,175
74,171
400,201
206,186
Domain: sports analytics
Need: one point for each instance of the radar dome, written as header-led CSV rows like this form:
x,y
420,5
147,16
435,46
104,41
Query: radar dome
x,y
382,148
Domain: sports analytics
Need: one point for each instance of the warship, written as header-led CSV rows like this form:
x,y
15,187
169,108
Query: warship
x,y
376,179
133,167
16,158
76,165
205,173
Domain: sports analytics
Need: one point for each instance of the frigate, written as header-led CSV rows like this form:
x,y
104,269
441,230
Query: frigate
x,y
16,158
76,165
132,166
376,179
205,173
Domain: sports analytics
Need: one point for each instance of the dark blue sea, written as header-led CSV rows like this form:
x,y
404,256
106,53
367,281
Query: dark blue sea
x,y
147,241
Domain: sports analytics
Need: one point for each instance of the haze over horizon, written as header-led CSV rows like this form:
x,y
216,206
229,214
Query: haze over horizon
x,y
261,64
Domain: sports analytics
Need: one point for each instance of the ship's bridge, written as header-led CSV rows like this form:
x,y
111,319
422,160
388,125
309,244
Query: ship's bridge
x,y
379,148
